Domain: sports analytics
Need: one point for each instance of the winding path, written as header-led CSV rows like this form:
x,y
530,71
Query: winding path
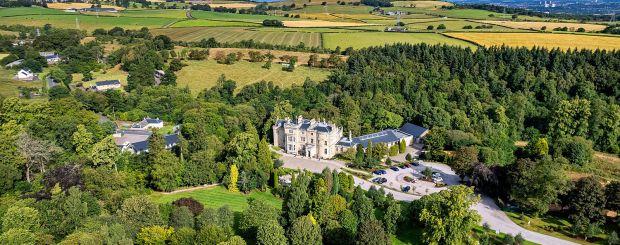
x,y
488,210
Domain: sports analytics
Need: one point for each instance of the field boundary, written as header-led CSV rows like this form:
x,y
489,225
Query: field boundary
x,y
461,39
190,189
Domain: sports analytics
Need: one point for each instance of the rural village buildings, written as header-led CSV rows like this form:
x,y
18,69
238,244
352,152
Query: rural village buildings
x,y
26,75
321,139
107,85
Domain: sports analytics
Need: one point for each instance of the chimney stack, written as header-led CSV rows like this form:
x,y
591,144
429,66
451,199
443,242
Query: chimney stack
x,y
350,138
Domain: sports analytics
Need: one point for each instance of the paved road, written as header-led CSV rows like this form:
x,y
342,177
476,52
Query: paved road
x,y
488,210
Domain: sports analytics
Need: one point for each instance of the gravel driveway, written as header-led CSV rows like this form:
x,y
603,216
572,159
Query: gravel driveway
x,y
488,210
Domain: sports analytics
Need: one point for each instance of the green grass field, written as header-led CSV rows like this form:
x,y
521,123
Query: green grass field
x,y
552,226
149,13
8,86
367,39
457,25
232,34
199,75
87,22
6,12
207,15
340,9
211,23
219,196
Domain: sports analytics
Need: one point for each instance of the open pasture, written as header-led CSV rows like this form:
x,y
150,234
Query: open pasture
x,y
8,12
208,15
212,23
549,40
337,9
87,22
367,39
537,25
322,23
146,13
421,4
199,75
232,34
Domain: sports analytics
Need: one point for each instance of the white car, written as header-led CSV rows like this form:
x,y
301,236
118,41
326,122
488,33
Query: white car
x,y
437,179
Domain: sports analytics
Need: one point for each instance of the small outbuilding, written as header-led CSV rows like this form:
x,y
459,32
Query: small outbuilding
x,y
26,75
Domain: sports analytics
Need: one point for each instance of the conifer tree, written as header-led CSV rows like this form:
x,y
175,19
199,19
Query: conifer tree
x,y
234,176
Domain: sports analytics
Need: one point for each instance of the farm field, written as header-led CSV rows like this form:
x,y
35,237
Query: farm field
x,y
212,23
367,39
464,13
208,15
421,4
457,25
233,5
339,9
6,12
151,13
536,25
232,34
78,6
219,196
87,22
549,40
321,23
199,75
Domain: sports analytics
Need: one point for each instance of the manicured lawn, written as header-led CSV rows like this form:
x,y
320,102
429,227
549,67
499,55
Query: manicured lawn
x,y
236,34
199,75
219,196
549,40
367,39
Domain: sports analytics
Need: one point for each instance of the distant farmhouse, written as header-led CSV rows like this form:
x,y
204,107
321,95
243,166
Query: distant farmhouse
x,y
137,141
147,123
107,85
395,29
107,10
26,75
316,139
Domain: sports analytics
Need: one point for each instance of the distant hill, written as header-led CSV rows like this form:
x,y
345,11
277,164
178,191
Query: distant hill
x,y
583,7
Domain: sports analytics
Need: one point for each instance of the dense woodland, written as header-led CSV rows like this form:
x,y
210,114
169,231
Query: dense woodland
x,y
63,179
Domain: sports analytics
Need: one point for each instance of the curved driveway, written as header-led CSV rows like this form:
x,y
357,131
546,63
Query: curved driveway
x,y
488,210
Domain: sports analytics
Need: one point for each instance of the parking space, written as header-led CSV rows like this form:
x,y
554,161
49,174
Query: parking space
x,y
398,179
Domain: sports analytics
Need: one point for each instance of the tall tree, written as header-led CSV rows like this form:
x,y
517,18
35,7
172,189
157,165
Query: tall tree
x,y
447,217
38,153
586,203
536,185
105,153
233,178
82,140
612,192
296,201
371,232
304,232
271,233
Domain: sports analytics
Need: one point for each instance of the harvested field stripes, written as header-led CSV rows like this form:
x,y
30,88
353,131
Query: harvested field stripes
x,y
548,40
231,34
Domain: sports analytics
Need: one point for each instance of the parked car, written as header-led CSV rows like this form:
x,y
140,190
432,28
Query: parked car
x,y
402,166
383,180
436,175
376,180
377,172
383,171
394,168
437,179
407,165
406,188
415,164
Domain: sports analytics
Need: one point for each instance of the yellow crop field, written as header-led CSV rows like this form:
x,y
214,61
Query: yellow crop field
x,y
421,4
549,40
321,23
362,16
536,25
78,6
302,57
233,5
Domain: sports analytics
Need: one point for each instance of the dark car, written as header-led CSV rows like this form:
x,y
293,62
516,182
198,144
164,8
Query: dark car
x,y
415,164
402,166
383,171
376,180
383,180
406,189
407,165
394,168
377,172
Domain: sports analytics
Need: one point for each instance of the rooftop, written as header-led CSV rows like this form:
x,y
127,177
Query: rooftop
x,y
108,82
385,136
412,129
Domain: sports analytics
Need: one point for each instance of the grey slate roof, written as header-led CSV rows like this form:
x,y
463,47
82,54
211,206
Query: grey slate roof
x,y
108,82
385,136
413,129
143,143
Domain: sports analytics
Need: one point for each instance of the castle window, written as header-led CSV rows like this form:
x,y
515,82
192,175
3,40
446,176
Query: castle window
x,y
325,142
325,151
303,139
